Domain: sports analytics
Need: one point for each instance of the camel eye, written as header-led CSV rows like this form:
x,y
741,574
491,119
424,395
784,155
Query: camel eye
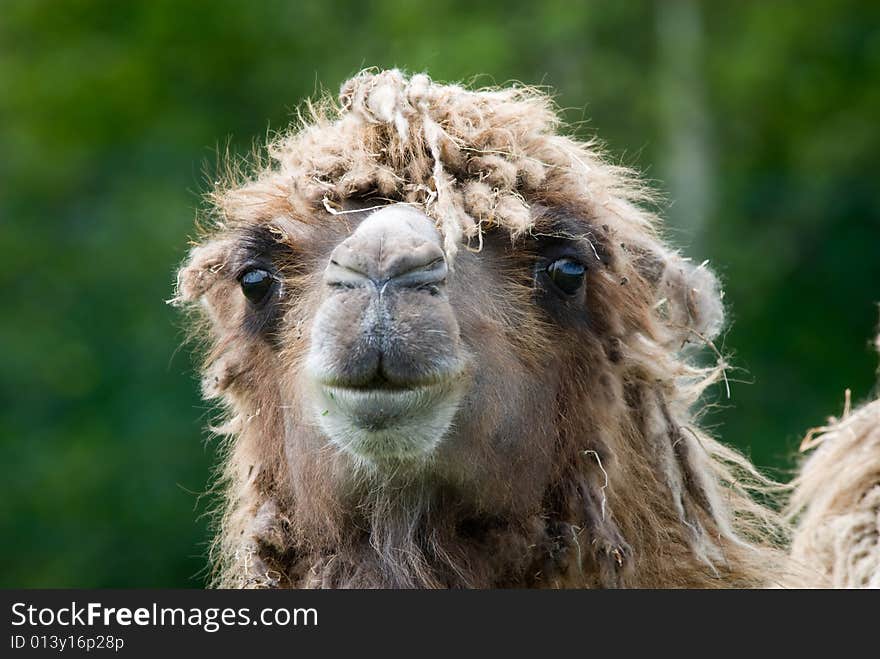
x,y
567,274
255,284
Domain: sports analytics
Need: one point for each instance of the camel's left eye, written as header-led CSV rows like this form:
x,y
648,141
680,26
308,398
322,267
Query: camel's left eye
x,y
567,274
255,284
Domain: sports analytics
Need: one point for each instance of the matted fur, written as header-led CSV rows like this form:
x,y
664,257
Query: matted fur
x,y
638,495
836,501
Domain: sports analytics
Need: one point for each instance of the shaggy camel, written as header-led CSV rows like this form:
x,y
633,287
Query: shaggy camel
x,y
454,351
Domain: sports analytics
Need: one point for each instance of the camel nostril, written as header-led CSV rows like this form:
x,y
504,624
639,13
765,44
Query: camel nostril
x,y
420,268
349,267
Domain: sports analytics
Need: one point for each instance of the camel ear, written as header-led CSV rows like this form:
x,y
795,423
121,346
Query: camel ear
x,y
687,297
200,271
694,311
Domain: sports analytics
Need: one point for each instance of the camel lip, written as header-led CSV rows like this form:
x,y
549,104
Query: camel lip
x,y
406,395
379,409
377,416
382,385
375,424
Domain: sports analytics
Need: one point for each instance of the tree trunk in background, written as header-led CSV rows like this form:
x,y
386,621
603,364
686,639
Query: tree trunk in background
x,y
685,154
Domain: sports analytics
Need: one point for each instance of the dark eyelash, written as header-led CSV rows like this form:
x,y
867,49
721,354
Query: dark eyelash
x,y
254,264
257,249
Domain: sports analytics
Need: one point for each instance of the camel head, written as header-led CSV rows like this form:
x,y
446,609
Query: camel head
x,y
452,349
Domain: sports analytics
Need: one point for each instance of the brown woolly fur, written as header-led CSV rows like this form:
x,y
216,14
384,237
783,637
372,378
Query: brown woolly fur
x,y
836,500
573,459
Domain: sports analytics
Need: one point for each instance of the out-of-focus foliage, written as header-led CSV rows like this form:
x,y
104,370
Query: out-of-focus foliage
x,y
761,118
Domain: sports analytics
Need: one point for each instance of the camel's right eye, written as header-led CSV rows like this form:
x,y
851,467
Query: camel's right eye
x,y
255,284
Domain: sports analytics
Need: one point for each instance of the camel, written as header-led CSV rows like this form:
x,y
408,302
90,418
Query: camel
x,y
835,502
453,350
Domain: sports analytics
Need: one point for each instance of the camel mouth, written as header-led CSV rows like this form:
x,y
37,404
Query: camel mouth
x,y
377,421
382,384
379,405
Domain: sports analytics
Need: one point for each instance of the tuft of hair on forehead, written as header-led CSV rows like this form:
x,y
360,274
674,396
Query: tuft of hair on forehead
x,y
468,158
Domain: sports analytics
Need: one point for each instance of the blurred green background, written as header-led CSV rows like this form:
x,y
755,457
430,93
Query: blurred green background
x,y
758,120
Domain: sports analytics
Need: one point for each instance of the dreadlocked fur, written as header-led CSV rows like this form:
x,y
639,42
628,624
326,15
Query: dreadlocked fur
x,y
836,500
621,488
